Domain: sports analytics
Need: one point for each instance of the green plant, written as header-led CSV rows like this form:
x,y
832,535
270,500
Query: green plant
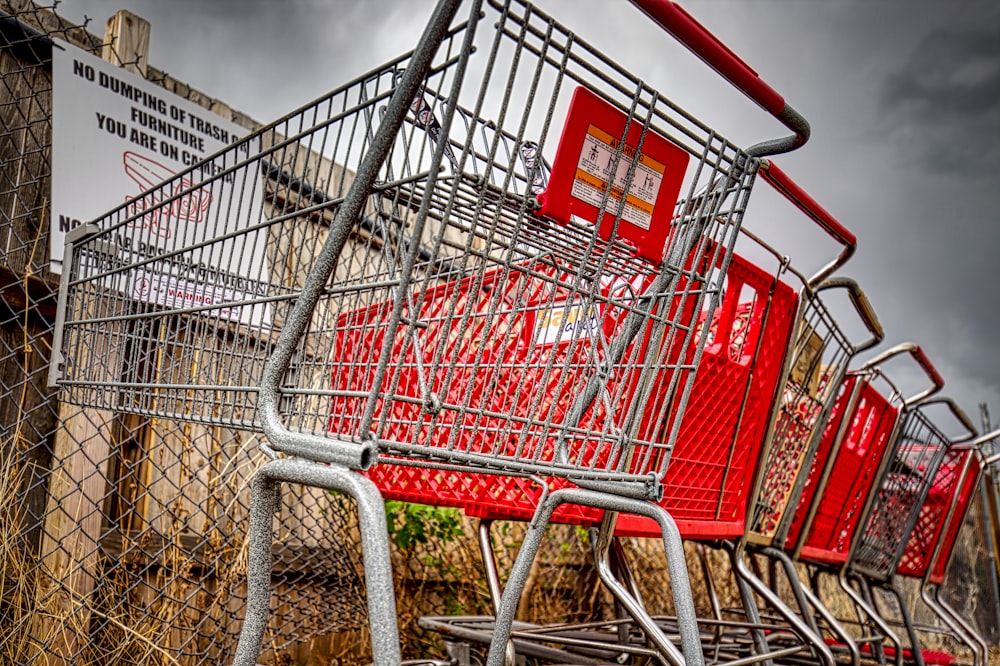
x,y
411,524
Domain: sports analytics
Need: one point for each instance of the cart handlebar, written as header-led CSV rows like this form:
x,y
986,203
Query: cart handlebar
x,y
918,354
863,307
958,413
802,200
984,439
991,458
697,38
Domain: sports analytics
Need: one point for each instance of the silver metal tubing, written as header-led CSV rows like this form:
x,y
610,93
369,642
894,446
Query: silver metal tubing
x,y
864,606
930,593
793,581
622,571
680,585
374,543
864,308
797,624
493,577
489,562
846,640
749,603
281,438
711,589
915,652
917,352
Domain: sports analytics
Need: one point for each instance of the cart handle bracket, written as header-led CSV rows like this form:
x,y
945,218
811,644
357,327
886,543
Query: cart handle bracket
x,y
864,308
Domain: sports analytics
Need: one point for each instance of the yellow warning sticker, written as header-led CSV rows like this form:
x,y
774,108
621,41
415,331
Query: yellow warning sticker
x,y
594,175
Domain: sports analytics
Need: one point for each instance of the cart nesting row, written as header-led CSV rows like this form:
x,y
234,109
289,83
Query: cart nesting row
x,y
496,273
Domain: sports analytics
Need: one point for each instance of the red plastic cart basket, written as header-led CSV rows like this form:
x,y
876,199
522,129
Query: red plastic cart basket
x,y
849,461
941,515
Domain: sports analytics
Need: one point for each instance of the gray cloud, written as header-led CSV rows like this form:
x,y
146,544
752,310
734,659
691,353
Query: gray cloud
x,y
949,91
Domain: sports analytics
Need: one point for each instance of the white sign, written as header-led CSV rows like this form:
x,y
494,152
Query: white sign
x,y
115,136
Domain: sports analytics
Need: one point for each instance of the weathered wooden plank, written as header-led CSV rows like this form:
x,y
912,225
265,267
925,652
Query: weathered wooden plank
x,y
73,521
126,42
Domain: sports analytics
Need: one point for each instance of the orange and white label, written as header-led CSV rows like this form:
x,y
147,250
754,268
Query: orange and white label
x,y
560,323
594,174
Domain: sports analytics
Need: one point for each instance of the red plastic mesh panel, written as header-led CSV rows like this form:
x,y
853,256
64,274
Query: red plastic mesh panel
x,y
503,388
722,430
854,474
965,496
837,416
933,512
798,415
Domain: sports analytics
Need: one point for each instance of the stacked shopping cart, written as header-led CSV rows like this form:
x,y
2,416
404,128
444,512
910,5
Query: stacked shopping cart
x,y
499,274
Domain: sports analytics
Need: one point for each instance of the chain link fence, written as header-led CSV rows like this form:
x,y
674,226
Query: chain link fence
x,y
121,537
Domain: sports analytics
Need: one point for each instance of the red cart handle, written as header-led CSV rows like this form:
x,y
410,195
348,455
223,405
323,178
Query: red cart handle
x,y
863,307
958,413
692,34
917,352
792,191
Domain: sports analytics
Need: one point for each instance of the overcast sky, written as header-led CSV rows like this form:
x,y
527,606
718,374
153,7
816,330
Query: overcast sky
x,y
903,97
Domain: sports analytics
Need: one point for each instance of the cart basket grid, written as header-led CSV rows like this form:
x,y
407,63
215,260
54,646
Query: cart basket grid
x,y
494,304
918,452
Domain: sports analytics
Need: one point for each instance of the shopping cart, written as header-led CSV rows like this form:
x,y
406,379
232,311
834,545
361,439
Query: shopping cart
x,y
389,216
721,436
815,366
858,437
780,410
893,510
932,542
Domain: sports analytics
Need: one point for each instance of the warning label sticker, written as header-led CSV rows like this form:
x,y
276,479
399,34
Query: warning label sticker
x,y
594,174
560,323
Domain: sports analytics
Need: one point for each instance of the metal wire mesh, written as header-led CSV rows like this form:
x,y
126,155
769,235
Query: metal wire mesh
x,y
915,458
122,535
124,541
815,368
458,325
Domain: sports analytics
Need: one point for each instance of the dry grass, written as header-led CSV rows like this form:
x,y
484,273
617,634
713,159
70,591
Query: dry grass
x,y
39,617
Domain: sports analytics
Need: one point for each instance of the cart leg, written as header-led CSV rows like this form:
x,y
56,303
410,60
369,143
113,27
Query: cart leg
x,y
633,605
865,608
749,604
810,604
677,568
797,624
792,575
931,595
873,601
904,612
812,593
834,624
374,550
263,505
493,578
713,594
622,571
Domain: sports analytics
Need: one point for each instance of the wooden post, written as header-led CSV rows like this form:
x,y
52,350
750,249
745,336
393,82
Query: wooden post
x,y
126,42
73,521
